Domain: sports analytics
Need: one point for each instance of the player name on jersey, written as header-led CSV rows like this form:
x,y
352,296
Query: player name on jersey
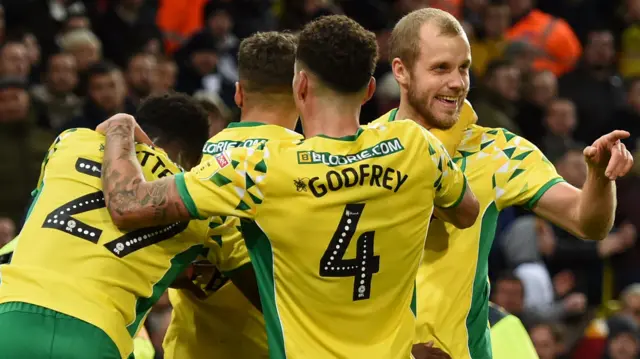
x,y
159,168
371,175
212,148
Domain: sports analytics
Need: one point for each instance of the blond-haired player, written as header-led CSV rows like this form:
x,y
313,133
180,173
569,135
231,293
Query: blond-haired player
x,y
430,57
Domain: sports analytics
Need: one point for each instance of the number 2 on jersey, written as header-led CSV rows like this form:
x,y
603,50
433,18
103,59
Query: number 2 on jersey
x,y
62,219
363,266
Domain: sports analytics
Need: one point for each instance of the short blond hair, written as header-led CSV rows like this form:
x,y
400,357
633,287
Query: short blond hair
x,y
405,37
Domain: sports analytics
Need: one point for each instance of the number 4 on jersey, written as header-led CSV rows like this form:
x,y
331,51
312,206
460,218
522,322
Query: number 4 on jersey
x,y
363,266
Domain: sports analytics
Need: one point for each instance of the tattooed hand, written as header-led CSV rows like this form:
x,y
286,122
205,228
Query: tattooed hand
x,y
132,202
120,118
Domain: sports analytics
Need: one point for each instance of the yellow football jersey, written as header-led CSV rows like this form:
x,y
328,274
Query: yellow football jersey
x,y
71,258
225,324
503,170
302,207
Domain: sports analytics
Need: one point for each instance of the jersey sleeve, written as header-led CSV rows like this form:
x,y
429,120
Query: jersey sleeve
x,y
525,176
450,183
229,184
227,250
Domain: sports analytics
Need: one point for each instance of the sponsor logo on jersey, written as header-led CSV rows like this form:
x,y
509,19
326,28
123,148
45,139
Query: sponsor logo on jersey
x,y
213,148
380,149
222,159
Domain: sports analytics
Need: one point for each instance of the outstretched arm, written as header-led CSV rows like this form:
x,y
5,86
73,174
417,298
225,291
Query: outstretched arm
x,y
132,201
589,213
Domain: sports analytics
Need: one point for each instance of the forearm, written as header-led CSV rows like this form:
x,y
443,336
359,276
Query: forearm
x,y
596,206
132,201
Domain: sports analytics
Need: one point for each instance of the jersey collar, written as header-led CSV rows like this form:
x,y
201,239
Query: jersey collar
x,y
244,124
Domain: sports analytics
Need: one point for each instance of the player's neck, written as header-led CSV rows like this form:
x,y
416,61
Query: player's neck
x,y
332,119
406,112
279,116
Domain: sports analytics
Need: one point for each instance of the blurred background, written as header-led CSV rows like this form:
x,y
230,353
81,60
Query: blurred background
x,y
559,72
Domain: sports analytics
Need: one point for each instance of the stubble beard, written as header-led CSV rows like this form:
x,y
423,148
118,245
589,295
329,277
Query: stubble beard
x,y
419,105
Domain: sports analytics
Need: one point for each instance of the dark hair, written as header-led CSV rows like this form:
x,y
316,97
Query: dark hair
x,y
266,61
136,54
496,65
101,68
175,117
339,51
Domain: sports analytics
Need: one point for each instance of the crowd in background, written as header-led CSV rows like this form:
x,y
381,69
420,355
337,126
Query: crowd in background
x,y
560,73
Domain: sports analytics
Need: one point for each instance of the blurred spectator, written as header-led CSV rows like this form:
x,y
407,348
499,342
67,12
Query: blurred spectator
x,y
219,23
14,59
628,37
197,68
87,49
141,69
34,56
106,96
490,42
122,28
560,122
539,91
219,114
557,48
595,86
496,104
547,338
54,99
296,13
508,292
387,93
628,116
522,247
7,231
22,148
623,340
165,77
630,299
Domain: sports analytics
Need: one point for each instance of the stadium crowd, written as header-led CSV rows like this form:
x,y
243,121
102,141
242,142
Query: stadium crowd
x,y
559,73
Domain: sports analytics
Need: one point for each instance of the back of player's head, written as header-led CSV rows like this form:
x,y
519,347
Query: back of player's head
x,y
340,52
404,42
175,118
265,62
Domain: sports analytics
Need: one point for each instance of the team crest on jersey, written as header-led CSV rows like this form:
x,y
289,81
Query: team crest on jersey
x,y
222,159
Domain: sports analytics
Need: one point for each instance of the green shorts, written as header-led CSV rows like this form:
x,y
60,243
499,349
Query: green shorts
x,y
32,332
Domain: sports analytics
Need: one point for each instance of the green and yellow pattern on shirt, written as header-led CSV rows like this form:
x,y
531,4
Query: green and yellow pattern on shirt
x,y
225,324
335,278
503,170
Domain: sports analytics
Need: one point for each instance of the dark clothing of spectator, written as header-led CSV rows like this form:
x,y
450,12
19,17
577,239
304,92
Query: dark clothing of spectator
x,y
92,116
596,100
22,148
121,38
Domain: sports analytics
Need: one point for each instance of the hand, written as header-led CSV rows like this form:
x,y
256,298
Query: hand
x,y
609,156
124,119
575,303
619,241
428,351
564,282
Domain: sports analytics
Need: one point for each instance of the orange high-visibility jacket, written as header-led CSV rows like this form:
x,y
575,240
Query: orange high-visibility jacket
x,y
556,46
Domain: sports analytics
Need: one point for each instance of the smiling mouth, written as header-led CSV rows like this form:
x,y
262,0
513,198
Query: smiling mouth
x,y
449,100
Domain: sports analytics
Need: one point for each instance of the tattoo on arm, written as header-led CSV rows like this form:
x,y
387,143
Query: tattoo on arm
x,y
132,201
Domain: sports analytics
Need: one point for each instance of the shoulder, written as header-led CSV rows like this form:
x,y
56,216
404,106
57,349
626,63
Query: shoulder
x,y
386,118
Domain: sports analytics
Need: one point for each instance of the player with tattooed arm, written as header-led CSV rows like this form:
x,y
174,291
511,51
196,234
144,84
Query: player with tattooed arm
x,y
77,286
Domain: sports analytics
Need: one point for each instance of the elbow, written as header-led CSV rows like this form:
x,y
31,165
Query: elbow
x,y
122,219
596,233
470,214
